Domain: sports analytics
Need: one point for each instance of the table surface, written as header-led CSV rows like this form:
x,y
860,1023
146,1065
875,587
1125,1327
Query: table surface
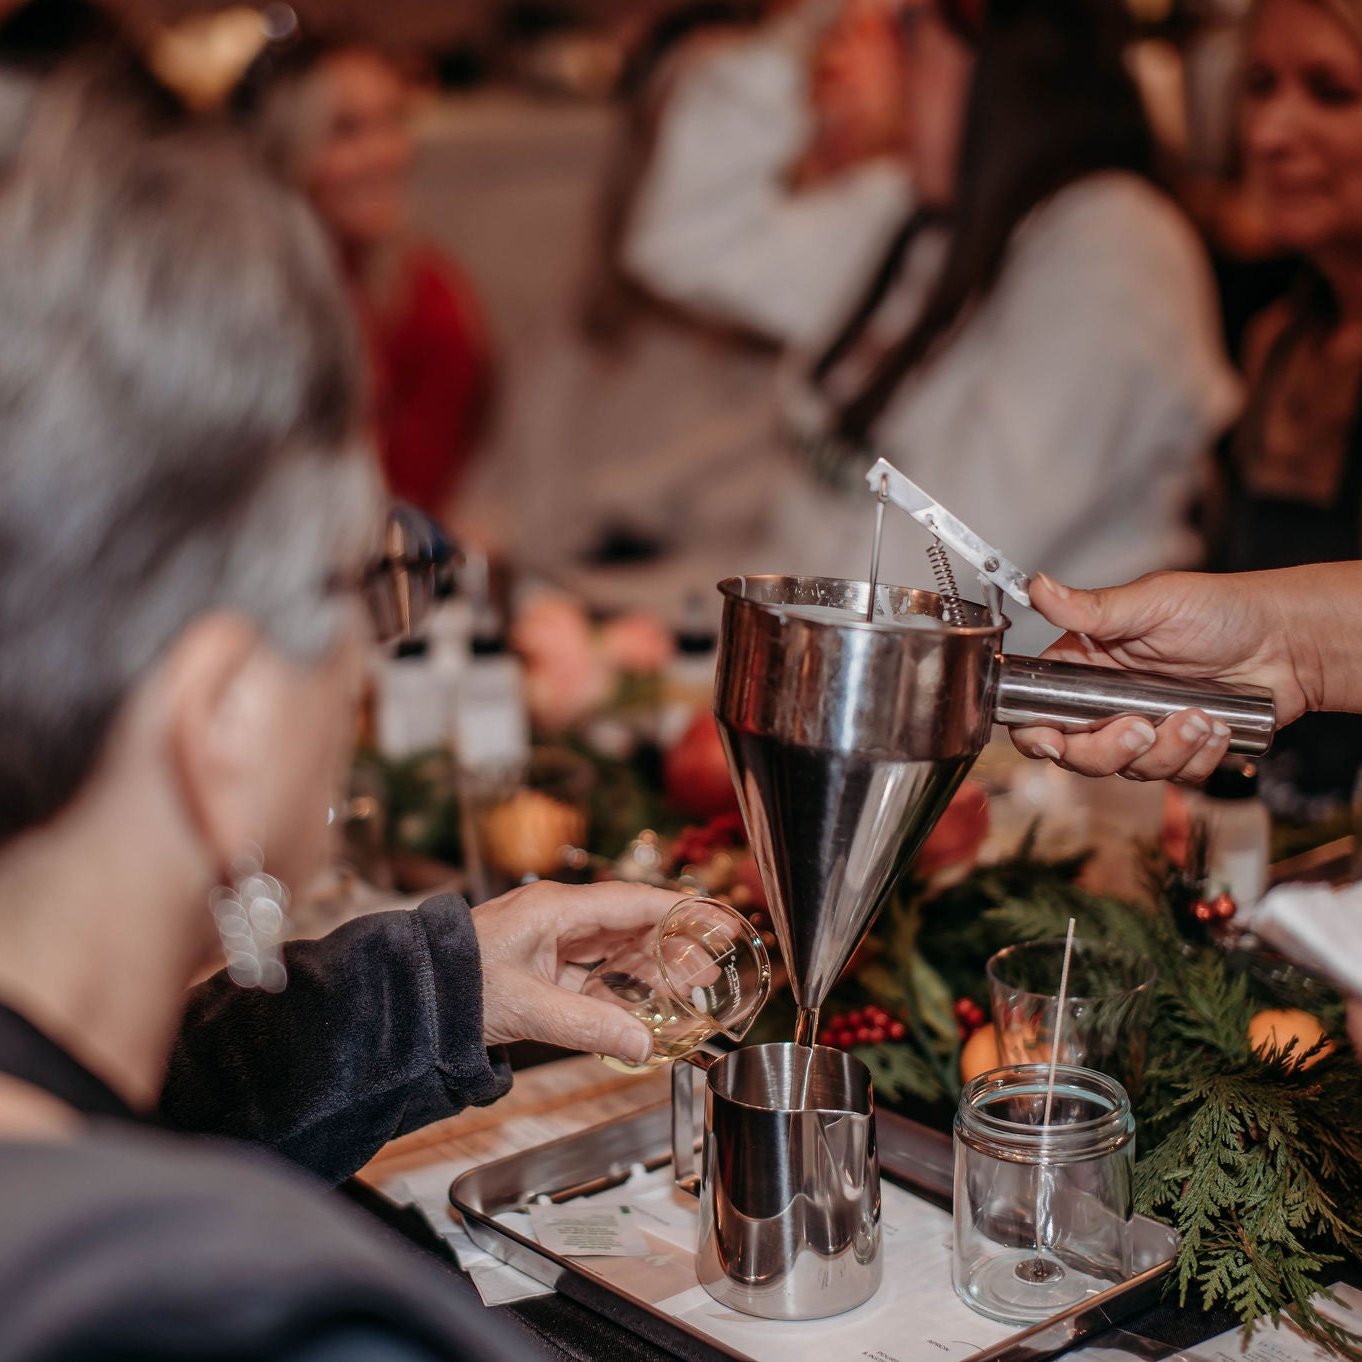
x,y
563,1097
547,1102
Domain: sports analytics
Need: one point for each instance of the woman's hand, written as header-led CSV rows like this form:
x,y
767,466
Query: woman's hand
x,y
537,945
1228,628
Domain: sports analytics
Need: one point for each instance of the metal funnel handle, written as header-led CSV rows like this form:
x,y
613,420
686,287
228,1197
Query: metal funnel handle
x,y
1075,698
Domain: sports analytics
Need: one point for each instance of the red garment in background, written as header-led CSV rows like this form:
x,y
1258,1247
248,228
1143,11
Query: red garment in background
x,y
432,378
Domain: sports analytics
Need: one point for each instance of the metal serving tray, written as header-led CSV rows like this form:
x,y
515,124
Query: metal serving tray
x,y
595,1160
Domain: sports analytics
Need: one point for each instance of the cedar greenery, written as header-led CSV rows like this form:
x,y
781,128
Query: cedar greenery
x,y
1255,1159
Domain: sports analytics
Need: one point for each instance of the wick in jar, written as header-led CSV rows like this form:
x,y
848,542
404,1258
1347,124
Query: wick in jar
x,y
1037,1269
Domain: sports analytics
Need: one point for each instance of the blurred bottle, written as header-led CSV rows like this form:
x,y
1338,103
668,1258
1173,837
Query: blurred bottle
x,y
688,680
490,726
413,700
1239,831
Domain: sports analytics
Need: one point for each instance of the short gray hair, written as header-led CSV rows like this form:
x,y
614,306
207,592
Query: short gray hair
x,y
180,420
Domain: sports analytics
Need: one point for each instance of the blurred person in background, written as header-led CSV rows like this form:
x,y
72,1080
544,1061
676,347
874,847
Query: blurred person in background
x,y
641,436
1037,342
189,503
1290,489
332,117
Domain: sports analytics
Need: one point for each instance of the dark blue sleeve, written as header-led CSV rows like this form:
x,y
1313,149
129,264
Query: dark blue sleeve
x,y
360,1345
378,1033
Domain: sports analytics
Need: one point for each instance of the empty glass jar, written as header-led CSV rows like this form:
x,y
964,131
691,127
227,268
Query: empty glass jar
x,y
1043,1209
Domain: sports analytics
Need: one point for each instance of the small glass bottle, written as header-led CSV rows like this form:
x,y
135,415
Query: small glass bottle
x,y
1043,1210
413,701
688,680
1239,832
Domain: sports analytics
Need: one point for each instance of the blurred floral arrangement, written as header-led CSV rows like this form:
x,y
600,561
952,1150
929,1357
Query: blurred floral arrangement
x,y
596,692
576,670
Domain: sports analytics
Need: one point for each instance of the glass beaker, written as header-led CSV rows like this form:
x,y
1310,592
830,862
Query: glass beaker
x,y
702,971
1043,1210
1106,1010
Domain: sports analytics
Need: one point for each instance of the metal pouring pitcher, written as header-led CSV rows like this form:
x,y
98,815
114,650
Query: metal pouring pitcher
x,y
846,739
790,1183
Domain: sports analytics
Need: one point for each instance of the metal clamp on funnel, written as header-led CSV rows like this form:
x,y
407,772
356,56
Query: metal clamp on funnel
x,y
1067,696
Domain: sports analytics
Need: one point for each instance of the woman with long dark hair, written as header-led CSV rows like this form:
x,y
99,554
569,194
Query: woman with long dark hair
x,y
1037,343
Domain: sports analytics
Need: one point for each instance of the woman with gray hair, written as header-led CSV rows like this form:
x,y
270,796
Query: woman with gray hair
x,y
187,505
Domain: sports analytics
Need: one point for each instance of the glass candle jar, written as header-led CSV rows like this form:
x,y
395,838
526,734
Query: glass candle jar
x,y
1043,1209
1105,1020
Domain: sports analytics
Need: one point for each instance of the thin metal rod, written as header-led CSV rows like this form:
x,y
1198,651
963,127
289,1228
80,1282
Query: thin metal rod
x,y
1059,1019
1042,1270
881,501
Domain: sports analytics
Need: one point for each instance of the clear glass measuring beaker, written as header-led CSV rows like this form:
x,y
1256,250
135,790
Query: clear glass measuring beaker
x,y
702,971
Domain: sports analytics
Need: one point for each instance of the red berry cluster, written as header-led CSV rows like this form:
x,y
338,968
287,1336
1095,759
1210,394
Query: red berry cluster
x,y
695,845
1220,909
969,1017
868,1025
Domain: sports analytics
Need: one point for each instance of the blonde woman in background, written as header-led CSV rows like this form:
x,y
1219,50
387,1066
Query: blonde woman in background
x,y
1291,486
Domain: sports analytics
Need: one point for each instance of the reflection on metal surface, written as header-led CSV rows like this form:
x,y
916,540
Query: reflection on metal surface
x,y
790,1189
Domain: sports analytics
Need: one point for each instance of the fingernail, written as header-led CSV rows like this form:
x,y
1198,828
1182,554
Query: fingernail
x,y
1220,730
1057,587
1138,738
637,1049
1043,749
1195,729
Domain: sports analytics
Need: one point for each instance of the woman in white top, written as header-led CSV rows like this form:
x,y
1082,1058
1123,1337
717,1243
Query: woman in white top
x,y
1036,341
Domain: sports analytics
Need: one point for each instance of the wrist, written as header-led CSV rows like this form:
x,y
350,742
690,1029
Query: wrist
x,y
1311,636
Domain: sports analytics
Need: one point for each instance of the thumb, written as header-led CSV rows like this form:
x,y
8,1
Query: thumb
x,y
1098,614
559,1016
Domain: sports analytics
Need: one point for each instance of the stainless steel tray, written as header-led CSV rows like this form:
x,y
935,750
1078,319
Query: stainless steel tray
x,y
918,1159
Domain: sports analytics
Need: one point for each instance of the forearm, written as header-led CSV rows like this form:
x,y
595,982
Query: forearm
x,y
1314,615
379,1032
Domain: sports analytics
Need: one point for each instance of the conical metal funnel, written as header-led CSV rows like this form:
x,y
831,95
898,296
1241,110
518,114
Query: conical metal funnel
x,y
846,740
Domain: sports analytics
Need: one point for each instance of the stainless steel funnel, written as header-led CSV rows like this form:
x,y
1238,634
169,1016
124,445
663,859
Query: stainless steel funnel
x,y
846,739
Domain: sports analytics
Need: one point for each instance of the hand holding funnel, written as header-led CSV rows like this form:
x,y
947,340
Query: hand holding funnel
x,y
847,736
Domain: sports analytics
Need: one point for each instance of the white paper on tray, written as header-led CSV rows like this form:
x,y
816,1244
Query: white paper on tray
x,y
496,1282
1318,927
580,1230
915,1316
1287,1343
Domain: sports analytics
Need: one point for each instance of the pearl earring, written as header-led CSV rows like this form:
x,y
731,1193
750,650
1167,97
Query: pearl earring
x,y
251,916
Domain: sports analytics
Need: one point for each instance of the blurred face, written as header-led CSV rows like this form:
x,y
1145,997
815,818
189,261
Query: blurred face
x,y
1302,126
856,84
939,68
358,147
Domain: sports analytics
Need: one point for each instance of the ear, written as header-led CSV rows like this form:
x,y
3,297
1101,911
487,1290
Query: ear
x,y
216,696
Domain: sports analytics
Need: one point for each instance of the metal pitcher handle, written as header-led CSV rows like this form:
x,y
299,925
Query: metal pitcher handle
x,y
1075,698
686,1172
